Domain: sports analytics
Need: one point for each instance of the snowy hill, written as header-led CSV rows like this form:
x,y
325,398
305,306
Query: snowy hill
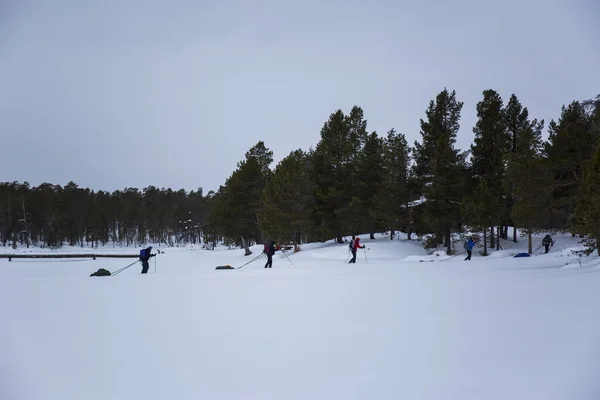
x,y
391,326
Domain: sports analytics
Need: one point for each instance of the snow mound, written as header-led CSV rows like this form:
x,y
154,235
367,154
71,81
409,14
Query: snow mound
x,y
502,254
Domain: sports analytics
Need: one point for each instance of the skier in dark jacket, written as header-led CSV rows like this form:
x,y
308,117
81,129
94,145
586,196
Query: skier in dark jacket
x,y
547,242
269,250
354,248
144,257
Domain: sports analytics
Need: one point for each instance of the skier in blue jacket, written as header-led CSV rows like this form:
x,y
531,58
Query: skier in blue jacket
x,y
144,257
469,247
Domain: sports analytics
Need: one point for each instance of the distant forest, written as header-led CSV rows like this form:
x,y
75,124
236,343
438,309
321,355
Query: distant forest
x,y
353,181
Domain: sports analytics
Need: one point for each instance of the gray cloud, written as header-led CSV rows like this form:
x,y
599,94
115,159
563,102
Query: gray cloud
x,y
133,93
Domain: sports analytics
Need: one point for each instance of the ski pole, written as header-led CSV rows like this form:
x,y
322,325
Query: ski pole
x,y
124,268
365,249
254,259
286,256
456,255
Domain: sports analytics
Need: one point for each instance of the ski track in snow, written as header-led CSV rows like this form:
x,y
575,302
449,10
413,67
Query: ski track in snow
x,y
388,327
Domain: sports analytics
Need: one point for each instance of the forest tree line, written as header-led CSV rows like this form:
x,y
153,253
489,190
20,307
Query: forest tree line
x,y
353,181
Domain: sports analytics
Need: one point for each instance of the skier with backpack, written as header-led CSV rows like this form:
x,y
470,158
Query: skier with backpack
x,y
144,257
547,242
354,245
269,250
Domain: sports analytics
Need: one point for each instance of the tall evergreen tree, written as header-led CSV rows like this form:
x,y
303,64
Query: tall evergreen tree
x,y
526,179
478,209
263,156
439,166
394,192
357,214
490,145
241,203
287,199
587,211
333,167
363,214
516,120
570,146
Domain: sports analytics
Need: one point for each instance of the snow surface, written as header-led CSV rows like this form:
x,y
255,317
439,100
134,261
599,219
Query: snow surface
x,y
392,326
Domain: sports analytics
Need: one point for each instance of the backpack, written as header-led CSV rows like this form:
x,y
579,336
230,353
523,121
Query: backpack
x,y
351,245
466,246
143,254
547,239
266,249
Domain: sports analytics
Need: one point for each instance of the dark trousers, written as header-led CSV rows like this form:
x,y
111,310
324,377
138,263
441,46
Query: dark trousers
x,y
547,247
353,260
145,267
269,263
468,255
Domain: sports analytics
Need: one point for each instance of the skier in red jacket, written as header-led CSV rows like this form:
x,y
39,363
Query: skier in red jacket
x,y
353,249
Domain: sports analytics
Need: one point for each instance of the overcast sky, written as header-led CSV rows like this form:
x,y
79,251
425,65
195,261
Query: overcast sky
x,y
123,93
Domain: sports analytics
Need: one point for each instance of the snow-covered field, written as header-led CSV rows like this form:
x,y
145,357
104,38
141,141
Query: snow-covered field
x,y
389,327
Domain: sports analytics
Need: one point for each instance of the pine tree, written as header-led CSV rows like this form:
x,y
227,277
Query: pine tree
x,y
217,218
526,179
587,211
263,155
570,146
516,120
356,215
439,166
287,199
478,209
490,145
357,132
394,192
363,211
242,202
332,169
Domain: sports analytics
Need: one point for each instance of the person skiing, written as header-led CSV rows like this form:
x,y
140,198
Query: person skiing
x,y
355,246
547,242
351,245
144,257
469,248
269,250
